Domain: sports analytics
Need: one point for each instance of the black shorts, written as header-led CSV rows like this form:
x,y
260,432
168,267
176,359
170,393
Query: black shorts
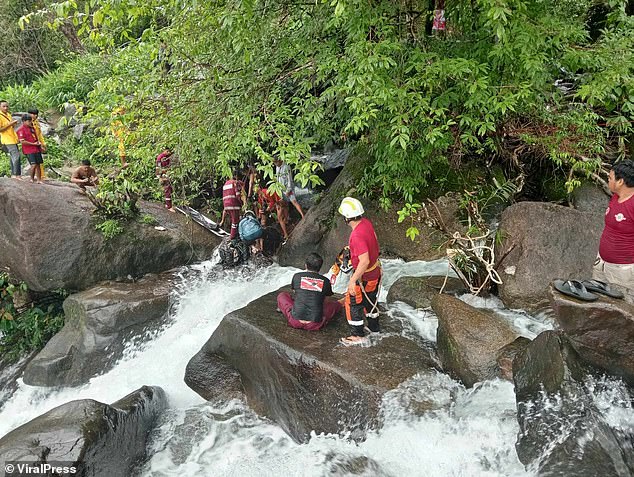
x,y
35,158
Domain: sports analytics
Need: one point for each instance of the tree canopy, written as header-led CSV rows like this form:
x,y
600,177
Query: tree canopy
x,y
509,82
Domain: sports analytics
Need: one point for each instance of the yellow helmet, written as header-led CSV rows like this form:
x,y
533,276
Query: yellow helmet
x,y
350,208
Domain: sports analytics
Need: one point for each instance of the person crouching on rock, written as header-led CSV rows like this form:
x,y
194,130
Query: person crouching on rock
x,y
361,300
309,310
85,176
615,261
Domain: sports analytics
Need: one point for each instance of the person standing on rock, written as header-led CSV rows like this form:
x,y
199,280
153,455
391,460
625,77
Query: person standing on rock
x,y
232,204
309,309
361,300
615,261
40,137
284,176
9,139
85,176
31,147
163,163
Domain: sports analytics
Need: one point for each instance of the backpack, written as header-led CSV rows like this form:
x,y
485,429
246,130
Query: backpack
x,y
250,228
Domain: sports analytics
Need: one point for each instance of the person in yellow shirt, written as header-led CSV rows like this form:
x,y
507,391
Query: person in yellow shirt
x,y
9,139
119,131
40,137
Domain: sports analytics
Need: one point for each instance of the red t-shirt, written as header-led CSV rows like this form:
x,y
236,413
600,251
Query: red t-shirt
x,y
363,239
617,239
231,199
269,198
28,134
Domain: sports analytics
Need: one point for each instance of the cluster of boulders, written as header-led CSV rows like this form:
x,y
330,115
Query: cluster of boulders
x,y
304,381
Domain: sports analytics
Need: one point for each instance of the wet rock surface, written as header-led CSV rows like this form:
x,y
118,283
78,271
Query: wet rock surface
x,y
602,332
98,322
470,340
100,439
305,380
48,239
562,431
542,242
418,292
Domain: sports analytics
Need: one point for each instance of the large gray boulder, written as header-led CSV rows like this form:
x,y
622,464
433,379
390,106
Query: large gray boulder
x,y
48,239
542,242
323,230
98,322
562,432
470,340
602,332
306,381
418,292
98,439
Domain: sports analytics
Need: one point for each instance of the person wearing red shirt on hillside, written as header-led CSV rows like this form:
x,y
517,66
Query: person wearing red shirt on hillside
x,y
163,163
232,204
361,300
31,147
615,261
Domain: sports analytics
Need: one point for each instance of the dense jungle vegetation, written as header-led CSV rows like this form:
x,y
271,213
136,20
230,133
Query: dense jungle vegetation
x,y
513,87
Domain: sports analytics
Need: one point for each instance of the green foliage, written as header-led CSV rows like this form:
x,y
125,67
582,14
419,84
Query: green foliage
x,y
116,199
27,327
234,82
147,219
110,228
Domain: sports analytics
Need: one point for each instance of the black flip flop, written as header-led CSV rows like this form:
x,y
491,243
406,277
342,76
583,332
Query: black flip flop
x,y
598,286
575,289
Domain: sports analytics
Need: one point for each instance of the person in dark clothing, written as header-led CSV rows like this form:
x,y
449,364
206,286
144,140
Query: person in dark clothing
x,y
309,309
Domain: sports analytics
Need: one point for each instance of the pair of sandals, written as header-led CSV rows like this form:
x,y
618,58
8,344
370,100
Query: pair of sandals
x,y
582,289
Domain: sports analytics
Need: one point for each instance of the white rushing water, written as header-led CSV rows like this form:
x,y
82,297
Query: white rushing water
x,y
468,432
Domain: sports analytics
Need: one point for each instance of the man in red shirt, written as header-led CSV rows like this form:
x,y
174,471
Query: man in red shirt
x,y
232,204
163,163
615,262
361,300
31,147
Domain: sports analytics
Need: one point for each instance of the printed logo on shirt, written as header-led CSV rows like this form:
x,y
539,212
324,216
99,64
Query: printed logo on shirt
x,y
311,284
607,211
620,217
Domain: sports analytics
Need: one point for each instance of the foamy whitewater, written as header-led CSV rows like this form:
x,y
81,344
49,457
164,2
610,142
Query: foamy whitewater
x,y
468,432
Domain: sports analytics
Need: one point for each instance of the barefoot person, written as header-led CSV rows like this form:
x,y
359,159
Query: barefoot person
x,y
361,300
284,176
615,261
9,139
309,309
31,147
35,114
85,176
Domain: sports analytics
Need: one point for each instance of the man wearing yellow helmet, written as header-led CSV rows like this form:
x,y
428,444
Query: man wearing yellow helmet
x,y
361,301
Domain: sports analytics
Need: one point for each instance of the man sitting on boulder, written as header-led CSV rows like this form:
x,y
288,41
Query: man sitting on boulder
x,y
615,261
309,310
85,176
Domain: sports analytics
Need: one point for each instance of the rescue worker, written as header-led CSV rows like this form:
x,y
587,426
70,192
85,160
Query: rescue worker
x,y
232,204
361,300
163,164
